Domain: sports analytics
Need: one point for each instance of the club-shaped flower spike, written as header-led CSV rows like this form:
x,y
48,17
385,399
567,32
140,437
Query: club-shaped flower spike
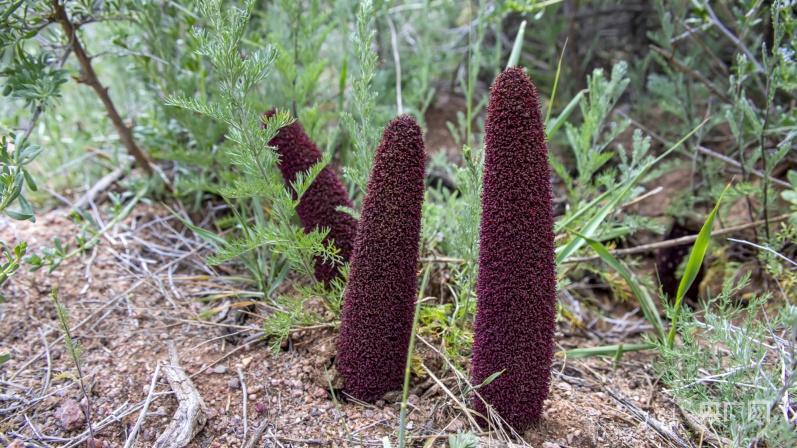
x,y
318,206
516,287
379,302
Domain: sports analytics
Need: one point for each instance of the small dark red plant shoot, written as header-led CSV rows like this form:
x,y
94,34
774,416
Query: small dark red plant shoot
x,y
317,208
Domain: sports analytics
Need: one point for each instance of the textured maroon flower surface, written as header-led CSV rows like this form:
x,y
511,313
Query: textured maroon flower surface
x,y
317,208
379,302
517,280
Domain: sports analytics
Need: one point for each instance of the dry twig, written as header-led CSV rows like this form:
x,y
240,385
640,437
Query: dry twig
x,y
132,437
243,390
676,242
89,77
191,414
644,417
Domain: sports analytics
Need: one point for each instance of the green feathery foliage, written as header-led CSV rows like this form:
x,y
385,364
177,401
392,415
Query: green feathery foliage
x,y
363,133
259,180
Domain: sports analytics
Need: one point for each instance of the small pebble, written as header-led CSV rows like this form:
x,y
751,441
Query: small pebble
x,y
70,415
220,369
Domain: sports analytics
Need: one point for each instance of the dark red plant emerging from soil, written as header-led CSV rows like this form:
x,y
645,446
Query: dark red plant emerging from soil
x,y
317,208
379,303
516,286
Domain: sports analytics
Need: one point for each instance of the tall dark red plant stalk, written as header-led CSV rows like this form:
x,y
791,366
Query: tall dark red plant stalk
x,y
317,209
378,306
516,286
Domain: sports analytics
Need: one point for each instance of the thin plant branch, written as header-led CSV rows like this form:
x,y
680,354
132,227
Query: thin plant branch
x,y
89,77
678,241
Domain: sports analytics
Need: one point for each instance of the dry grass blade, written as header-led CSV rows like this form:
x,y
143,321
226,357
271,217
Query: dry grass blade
x,y
660,428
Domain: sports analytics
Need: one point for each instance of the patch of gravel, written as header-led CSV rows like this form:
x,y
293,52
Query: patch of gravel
x,y
143,285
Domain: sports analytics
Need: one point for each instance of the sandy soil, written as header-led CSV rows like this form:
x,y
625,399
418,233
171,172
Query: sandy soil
x,y
142,287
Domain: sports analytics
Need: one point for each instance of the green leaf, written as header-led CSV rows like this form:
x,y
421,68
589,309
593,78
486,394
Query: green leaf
x,y
790,196
592,226
29,181
551,128
207,236
694,264
641,293
18,216
605,351
4,357
25,208
517,48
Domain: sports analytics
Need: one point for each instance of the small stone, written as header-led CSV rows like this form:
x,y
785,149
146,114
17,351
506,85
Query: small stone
x,y
70,416
253,397
246,361
455,425
369,413
550,445
220,369
414,400
234,383
261,408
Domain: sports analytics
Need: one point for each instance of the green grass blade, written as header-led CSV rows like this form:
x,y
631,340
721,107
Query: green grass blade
x,y
514,56
555,84
609,351
592,226
207,236
694,264
581,210
552,128
641,293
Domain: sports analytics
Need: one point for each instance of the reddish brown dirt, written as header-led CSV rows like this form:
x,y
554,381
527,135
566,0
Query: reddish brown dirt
x,y
140,288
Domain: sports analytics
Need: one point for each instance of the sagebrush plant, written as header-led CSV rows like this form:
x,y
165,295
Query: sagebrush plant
x,y
35,53
516,289
318,207
737,390
363,133
35,79
746,93
378,305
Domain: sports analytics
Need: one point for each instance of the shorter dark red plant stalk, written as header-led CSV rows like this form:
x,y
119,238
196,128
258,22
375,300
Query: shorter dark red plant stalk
x,y
317,209
379,303
516,286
